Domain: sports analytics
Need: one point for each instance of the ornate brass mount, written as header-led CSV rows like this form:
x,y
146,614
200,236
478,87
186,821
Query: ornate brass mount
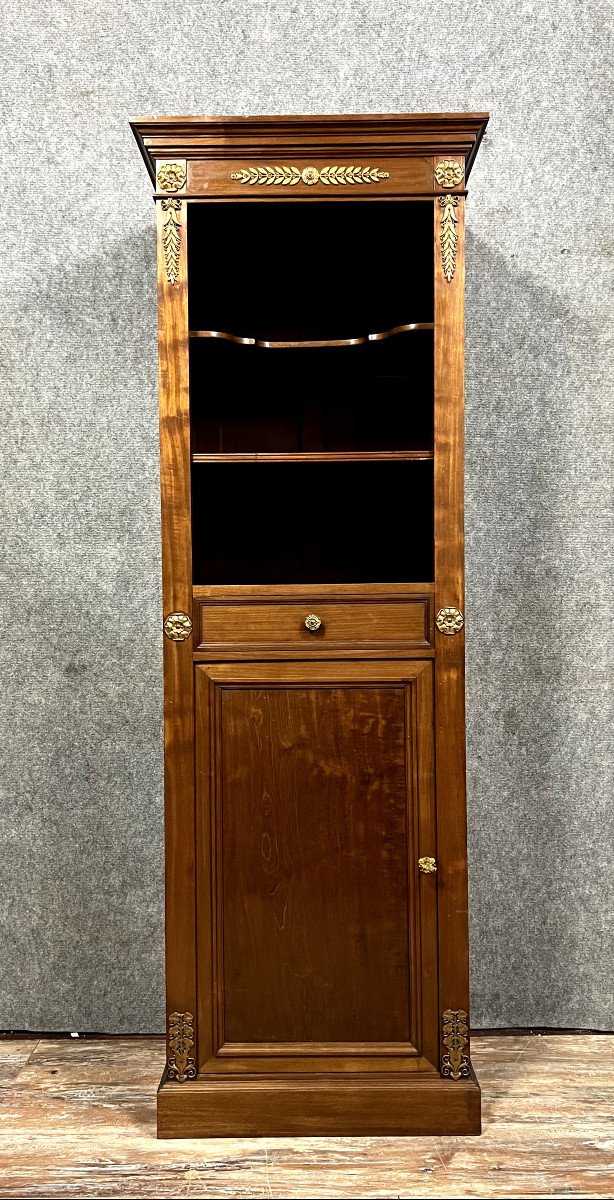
x,y
290,176
449,620
449,173
178,626
448,234
427,866
313,622
171,177
171,237
455,1064
181,1065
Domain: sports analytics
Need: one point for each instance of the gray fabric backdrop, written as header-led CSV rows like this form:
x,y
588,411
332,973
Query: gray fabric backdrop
x,y
81,865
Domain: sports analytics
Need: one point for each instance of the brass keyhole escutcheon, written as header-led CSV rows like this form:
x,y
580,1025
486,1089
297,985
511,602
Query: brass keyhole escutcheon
x,y
313,622
427,866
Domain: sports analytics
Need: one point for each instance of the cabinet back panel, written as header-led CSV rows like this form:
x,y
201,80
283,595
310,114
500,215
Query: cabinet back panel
x,y
313,523
304,270
315,871
373,397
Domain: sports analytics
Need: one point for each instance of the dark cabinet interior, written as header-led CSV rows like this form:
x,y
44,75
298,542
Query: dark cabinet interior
x,y
335,269
311,392
313,522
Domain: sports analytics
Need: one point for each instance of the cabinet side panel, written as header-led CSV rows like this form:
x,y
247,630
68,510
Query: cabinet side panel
x,y
449,592
172,216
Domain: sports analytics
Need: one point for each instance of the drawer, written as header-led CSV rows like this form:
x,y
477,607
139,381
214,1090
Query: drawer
x,y
390,621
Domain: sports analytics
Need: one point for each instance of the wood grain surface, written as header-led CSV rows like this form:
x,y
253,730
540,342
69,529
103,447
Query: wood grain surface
x,y
316,932
399,177
78,1122
175,467
450,651
396,134
312,951
395,623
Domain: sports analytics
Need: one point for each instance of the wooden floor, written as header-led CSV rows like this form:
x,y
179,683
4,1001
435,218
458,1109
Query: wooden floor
x,y
77,1120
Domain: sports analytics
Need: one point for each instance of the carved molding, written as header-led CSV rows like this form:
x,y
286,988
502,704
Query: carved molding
x,y
171,177
448,234
455,1064
335,176
449,173
178,626
180,1064
171,237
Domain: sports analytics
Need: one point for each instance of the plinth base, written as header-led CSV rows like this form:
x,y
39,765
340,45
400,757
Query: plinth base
x,y
293,1106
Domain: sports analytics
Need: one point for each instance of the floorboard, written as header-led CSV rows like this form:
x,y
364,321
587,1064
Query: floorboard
x,y
77,1122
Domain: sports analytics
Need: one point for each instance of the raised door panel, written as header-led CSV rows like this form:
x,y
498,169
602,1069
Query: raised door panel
x,y
315,911
317,943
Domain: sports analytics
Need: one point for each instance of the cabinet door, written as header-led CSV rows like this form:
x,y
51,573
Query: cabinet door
x,y
316,931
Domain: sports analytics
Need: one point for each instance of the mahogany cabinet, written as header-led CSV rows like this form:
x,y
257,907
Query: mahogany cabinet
x,y
310,283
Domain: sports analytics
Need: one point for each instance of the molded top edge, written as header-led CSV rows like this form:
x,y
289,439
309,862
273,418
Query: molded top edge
x,y
192,136
296,118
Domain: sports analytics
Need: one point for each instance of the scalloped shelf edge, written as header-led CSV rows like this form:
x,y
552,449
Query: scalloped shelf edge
x,y
311,345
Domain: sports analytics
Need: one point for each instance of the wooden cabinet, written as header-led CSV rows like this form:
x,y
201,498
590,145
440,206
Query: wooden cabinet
x,y
310,279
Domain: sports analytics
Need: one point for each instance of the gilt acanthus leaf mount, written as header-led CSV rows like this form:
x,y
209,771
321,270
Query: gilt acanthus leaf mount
x,y
171,237
333,176
448,234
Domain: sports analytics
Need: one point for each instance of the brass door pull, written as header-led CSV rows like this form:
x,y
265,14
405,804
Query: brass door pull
x,y
312,622
427,866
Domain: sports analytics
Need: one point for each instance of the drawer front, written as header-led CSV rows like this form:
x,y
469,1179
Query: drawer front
x,y
231,623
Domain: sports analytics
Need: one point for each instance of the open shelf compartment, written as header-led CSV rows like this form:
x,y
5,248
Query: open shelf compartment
x,y
311,373
305,271
333,523
372,397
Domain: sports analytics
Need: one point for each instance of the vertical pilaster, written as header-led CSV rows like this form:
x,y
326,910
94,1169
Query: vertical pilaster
x,y
175,475
449,269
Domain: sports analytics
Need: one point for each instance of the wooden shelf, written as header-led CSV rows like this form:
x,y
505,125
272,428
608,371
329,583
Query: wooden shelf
x,y
311,345
320,457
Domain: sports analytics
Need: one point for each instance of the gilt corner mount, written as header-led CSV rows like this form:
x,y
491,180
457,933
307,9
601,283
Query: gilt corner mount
x,y
181,1065
455,1033
171,177
449,173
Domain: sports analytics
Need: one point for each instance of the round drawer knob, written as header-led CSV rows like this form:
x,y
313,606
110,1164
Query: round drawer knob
x,y
312,622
